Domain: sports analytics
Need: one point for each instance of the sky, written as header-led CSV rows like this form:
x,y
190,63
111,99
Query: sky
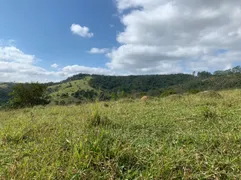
x,y
51,40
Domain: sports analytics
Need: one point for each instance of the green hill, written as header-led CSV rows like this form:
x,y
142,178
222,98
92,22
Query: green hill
x,y
108,87
65,92
177,137
87,88
84,87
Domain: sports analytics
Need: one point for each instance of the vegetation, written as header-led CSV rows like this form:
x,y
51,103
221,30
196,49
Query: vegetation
x,y
28,95
5,89
131,84
84,88
116,87
189,137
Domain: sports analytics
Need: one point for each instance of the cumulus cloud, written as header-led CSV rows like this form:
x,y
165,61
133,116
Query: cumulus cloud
x,y
75,69
175,36
12,54
159,36
16,65
98,51
55,66
81,31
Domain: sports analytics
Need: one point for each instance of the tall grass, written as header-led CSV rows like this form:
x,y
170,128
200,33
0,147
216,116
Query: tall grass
x,y
192,137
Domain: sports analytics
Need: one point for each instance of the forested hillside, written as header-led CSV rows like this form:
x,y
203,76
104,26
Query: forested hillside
x,y
83,87
131,84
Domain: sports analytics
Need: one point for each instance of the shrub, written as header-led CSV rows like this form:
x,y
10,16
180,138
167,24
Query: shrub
x,y
168,93
193,91
28,95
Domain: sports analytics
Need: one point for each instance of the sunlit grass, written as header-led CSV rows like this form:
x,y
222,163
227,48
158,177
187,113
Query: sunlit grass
x,y
70,87
190,137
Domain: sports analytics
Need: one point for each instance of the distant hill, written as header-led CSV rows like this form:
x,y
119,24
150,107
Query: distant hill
x,y
84,87
72,91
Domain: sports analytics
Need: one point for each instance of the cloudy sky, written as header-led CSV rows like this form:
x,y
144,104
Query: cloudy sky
x,y
51,40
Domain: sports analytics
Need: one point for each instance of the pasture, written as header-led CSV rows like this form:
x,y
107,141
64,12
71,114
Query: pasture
x,y
185,137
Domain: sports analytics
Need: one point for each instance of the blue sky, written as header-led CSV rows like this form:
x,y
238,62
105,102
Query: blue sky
x,y
51,40
42,28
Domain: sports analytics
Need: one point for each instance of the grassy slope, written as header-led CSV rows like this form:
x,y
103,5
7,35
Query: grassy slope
x,y
65,88
194,137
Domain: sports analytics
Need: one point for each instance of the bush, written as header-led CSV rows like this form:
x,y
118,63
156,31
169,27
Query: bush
x,y
193,91
28,95
168,93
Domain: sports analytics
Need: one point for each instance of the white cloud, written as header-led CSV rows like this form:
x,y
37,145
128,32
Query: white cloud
x,y
159,36
15,65
81,31
98,51
75,69
55,66
170,36
12,54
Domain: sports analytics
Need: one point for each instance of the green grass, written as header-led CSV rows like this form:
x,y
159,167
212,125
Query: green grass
x,y
57,91
70,87
3,86
184,137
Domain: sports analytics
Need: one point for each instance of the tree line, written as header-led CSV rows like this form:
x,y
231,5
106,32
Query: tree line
x,y
115,87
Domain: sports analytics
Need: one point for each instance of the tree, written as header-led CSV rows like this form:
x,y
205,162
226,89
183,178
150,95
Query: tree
x,y
193,73
28,95
204,74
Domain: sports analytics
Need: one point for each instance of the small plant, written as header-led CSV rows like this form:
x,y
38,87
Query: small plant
x,y
168,93
96,119
208,113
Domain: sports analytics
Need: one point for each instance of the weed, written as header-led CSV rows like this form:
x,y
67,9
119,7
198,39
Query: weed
x,y
209,113
96,119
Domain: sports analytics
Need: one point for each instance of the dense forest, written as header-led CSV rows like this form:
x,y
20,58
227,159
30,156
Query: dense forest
x,y
131,84
114,87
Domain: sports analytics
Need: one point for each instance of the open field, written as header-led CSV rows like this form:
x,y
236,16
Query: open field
x,y
190,137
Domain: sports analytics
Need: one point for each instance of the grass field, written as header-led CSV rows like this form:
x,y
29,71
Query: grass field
x,y
177,137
